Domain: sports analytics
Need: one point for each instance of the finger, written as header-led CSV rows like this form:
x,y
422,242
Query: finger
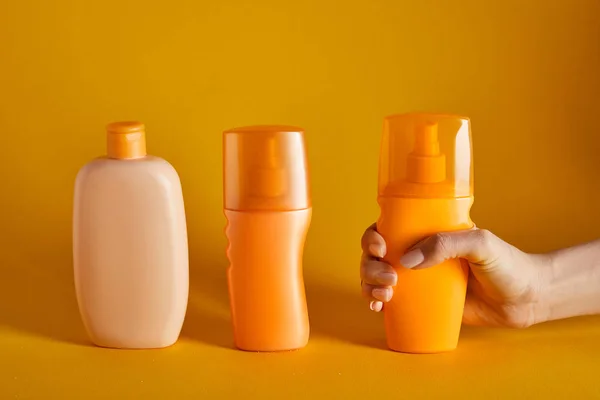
x,y
474,245
373,243
380,293
376,306
377,273
420,243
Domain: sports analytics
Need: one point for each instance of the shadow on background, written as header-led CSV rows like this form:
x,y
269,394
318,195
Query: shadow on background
x,y
207,319
341,314
336,313
37,293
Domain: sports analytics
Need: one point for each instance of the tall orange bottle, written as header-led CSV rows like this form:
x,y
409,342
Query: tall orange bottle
x,y
268,209
425,187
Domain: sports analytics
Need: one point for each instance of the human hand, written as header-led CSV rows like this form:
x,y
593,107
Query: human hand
x,y
504,284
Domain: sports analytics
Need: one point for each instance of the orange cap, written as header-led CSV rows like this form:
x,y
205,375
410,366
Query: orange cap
x,y
426,155
265,169
125,140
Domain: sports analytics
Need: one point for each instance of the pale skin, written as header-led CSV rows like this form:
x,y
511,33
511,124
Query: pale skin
x,y
507,287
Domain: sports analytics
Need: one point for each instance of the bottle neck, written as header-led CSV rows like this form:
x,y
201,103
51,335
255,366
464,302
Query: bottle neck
x,y
124,146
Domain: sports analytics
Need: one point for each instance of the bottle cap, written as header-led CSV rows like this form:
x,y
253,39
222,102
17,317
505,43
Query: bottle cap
x,y
265,169
125,140
426,155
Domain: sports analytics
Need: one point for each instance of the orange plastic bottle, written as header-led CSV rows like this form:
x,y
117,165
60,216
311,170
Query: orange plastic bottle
x,y
268,210
425,187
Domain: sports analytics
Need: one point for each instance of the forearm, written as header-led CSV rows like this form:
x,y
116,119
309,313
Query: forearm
x,y
572,284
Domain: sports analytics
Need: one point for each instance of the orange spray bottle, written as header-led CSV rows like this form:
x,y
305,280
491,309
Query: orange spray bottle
x,y
425,187
268,210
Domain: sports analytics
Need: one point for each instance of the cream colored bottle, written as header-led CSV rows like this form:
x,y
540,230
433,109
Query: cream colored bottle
x,y
130,245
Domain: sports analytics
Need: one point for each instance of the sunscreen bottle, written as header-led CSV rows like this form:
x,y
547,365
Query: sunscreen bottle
x,y
425,187
268,210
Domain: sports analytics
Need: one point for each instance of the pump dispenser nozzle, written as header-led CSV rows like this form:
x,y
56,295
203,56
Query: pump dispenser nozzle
x,y
426,164
426,155
267,178
265,169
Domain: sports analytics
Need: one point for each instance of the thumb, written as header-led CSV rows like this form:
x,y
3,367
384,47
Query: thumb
x,y
474,245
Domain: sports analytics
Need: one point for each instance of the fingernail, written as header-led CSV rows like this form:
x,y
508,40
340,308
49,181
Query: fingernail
x,y
380,294
375,250
387,278
376,306
412,258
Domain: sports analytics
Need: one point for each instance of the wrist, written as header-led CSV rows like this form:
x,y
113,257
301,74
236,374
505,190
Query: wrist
x,y
570,282
545,273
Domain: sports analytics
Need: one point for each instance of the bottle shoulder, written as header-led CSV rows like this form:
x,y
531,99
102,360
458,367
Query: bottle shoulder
x,y
146,168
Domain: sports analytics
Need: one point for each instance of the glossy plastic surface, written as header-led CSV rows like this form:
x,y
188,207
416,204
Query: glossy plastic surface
x,y
426,155
266,287
267,205
125,140
528,70
425,313
425,187
265,168
130,252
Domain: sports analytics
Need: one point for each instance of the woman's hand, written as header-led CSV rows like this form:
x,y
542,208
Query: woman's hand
x,y
504,287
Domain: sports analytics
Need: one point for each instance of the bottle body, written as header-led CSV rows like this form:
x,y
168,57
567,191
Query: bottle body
x,y
425,313
265,277
130,252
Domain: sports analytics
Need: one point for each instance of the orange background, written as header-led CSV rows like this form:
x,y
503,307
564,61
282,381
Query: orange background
x,y
526,72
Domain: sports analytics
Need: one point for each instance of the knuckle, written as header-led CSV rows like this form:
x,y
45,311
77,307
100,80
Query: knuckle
x,y
441,243
367,271
485,235
364,244
363,269
367,233
364,237
364,240
485,238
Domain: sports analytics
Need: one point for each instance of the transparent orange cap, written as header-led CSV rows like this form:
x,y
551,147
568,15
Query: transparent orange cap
x,y
265,169
426,155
